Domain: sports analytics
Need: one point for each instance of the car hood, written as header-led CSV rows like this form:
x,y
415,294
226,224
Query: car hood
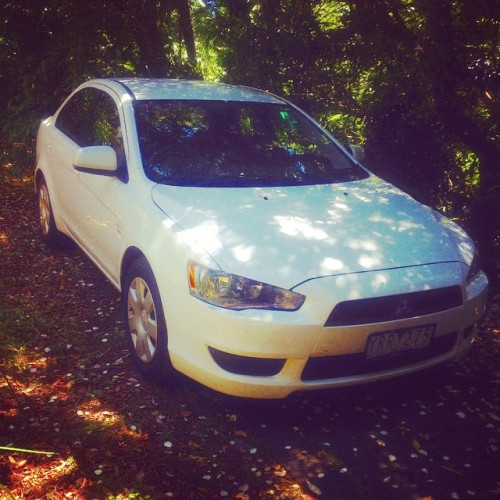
x,y
287,235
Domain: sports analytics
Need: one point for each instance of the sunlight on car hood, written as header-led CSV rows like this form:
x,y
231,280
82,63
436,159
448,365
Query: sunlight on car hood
x,y
286,235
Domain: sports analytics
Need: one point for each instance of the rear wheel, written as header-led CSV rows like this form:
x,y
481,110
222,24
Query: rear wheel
x,y
50,233
147,330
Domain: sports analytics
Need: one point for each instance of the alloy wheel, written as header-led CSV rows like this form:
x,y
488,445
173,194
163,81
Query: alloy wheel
x,y
142,321
44,209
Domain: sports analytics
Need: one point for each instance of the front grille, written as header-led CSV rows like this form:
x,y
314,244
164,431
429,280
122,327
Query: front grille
x,y
394,307
347,365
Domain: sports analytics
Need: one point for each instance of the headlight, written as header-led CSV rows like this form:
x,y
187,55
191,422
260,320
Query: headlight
x,y
235,292
475,267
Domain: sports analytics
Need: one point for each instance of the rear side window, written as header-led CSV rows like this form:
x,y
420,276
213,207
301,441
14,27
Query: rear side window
x,y
72,120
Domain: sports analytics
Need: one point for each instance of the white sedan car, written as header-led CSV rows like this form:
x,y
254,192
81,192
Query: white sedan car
x,y
254,254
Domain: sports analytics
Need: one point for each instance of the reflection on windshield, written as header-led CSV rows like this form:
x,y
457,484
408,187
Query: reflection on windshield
x,y
237,144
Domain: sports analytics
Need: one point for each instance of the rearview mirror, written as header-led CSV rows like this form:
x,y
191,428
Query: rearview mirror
x,y
358,152
98,160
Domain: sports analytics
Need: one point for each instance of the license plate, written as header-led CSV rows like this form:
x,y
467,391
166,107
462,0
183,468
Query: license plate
x,y
403,339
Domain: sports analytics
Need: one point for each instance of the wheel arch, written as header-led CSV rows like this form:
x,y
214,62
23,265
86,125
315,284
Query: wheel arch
x,y
38,178
149,349
130,256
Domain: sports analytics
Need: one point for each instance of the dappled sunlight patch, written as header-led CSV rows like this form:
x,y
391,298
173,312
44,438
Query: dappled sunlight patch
x,y
34,476
340,206
369,261
467,250
379,281
132,432
206,234
26,380
330,265
20,359
8,412
60,390
407,225
244,253
379,218
364,244
13,176
98,418
93,411
105,418
298,226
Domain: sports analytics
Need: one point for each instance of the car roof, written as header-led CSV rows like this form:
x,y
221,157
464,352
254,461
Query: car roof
x,y
169,89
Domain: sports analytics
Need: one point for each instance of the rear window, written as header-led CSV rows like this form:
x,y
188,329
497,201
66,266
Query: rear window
x,y
237,144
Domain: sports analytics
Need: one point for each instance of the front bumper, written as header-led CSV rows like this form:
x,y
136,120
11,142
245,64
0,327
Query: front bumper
x,y
269,354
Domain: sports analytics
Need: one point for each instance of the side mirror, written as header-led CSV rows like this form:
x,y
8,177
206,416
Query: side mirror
x,y
98,160
358,152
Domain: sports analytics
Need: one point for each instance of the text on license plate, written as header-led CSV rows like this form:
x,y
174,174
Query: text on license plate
x,y
403,339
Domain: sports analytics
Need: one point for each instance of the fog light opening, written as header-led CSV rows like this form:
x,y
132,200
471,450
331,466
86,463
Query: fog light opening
x,y
245,365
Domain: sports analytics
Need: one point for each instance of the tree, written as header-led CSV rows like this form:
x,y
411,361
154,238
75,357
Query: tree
x,y
47,47
414,80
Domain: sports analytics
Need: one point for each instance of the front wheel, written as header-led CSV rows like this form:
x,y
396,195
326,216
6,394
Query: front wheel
x,y
146,326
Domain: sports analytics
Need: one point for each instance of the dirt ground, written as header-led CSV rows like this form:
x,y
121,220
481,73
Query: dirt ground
x,y
77,421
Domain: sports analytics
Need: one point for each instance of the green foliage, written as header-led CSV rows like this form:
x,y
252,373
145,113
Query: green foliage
x,y
415,81
48,47
349,128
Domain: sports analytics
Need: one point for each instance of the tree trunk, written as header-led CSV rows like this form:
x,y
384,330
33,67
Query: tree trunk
x,y
186,27
150,38
239,9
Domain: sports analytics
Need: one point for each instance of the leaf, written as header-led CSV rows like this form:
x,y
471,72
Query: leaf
x,y
81,482
313,488
451,469
416,445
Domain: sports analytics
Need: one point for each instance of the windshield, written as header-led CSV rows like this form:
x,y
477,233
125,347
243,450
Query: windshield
x,y
236,144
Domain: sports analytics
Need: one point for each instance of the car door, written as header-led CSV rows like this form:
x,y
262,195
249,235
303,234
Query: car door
x,y
97,227
86,200
64,139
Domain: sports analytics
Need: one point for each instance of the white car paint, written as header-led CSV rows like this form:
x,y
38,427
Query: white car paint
x,y
332,243
303,232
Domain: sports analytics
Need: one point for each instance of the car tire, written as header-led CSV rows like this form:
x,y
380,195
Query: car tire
x,y
50,234
145,322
